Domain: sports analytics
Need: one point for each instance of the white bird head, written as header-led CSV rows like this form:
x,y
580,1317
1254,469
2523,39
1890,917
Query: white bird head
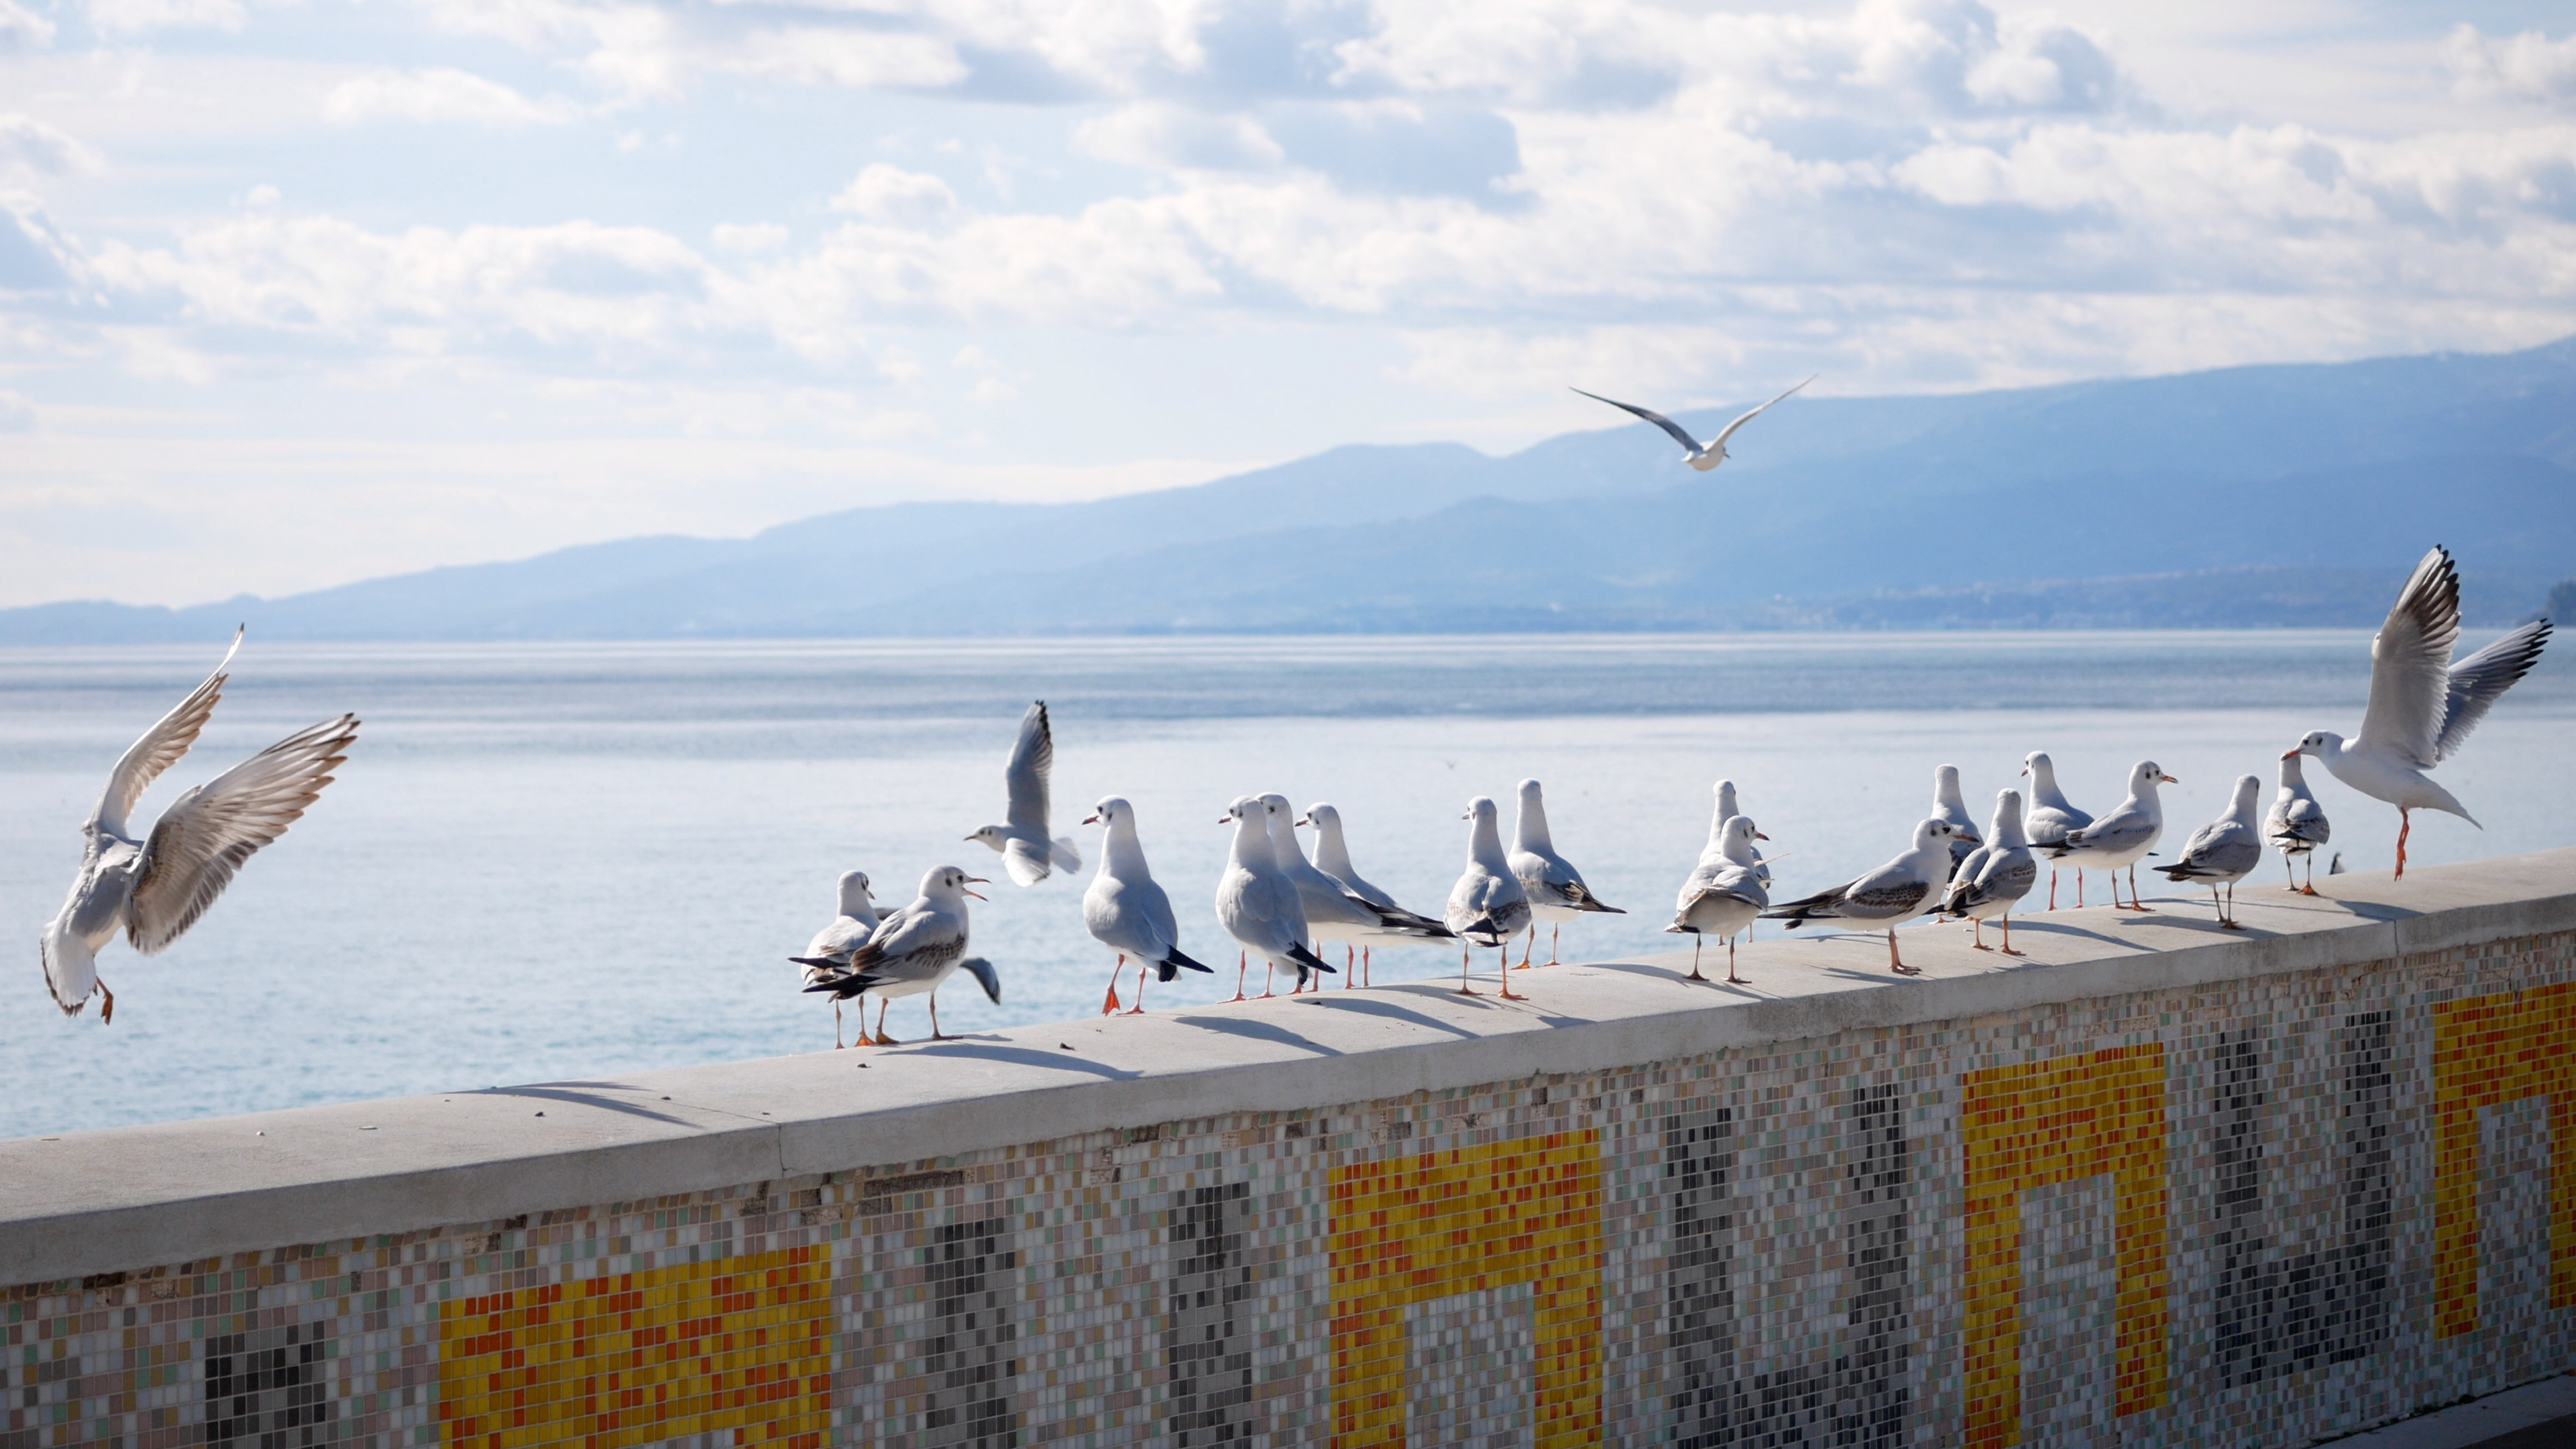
x,y
2007,827
2316,742
1110,811
1726,797
1243,805
854,891
1740,832
946,883
2144,779
1323,817
1481,809
2291,776
991,835
2037,765
1933,831
2248,789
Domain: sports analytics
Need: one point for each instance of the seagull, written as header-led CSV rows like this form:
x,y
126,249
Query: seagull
x,y
2222,852
2123,837
2050,818
2296,823
1487,907
1555,888
1335,912
2422,706
1027,852
1995,876
1723,896
1905,886
1333,858
1125,910
1948,804
1717,847
828,954
154,889
914,951
1702,458
1256,901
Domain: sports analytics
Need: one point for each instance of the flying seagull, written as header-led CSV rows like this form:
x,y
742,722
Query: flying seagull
x,y
2422,706
1028,853
1702,458
155,889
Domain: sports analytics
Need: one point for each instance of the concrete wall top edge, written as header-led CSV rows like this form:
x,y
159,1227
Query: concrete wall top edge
x,y
130,1197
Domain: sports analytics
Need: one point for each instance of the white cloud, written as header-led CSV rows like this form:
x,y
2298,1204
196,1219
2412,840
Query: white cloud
x,y
896,197
860,59
757,237
2526,67
17,415
439,94
22,29
138,17
29,147
1177,138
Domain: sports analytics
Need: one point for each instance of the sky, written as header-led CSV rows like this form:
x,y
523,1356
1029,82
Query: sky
x,y
295,292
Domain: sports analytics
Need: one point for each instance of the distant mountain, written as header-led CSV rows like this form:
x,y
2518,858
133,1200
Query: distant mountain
x,y
2246,496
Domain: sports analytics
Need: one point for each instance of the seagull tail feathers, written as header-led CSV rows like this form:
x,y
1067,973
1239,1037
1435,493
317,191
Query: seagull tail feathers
x,y
1173,963
1310,960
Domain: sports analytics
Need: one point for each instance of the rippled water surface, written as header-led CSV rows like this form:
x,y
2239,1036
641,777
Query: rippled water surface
x,y
548,862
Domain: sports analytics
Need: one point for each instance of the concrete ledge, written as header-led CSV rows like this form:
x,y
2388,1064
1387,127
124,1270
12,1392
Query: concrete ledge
x,y
101,1201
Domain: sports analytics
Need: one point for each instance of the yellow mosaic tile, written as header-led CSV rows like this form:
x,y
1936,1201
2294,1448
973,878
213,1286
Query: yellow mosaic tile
x,y
2488,1051
738,1345
2035,1125
1415,1227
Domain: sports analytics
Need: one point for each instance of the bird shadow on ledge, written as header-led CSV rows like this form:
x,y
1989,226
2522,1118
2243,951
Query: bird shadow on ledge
x,y
1389,1011
570,1094
1024,1056
1258,1031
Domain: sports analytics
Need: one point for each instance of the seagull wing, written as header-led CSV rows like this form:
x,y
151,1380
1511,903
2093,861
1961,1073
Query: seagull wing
x,y
1154,910
2476,682
1680,435
2410,661
1027,863
1720,440
1032,760
160,747
206,835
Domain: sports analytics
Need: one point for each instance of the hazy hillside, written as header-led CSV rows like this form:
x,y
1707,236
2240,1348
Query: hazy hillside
x,y
2271,495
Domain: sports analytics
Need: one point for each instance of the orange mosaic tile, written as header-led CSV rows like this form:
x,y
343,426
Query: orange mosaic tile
x,y
740,1346
2488,1051
2035,1125
1411,1228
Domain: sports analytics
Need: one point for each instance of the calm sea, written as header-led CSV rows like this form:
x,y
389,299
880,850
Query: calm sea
x,y
571,861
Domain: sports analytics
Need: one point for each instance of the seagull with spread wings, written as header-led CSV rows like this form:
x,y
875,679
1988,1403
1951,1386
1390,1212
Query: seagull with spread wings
x,y
1698,455
154,889
2422,706
1028,852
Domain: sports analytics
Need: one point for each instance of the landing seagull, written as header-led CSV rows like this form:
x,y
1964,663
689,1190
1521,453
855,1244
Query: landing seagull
x,y
828,954
1257,903
2123,837
2422,707
155,889
1554,887
2224,851
1723,896
1487,906
1995,876
1905,886
915,950
2296,823
1028,852
1126,910
1701,457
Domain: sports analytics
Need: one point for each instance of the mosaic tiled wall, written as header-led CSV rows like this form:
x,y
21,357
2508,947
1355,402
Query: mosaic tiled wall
x,y
2248,1214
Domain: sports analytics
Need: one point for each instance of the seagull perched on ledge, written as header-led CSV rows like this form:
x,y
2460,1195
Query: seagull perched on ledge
x,y
1554,888
1905,886
2223,852
1703,457
156,888
915,949
2125,836
1126,910
2296,823
2422,706
828,954
1487,907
